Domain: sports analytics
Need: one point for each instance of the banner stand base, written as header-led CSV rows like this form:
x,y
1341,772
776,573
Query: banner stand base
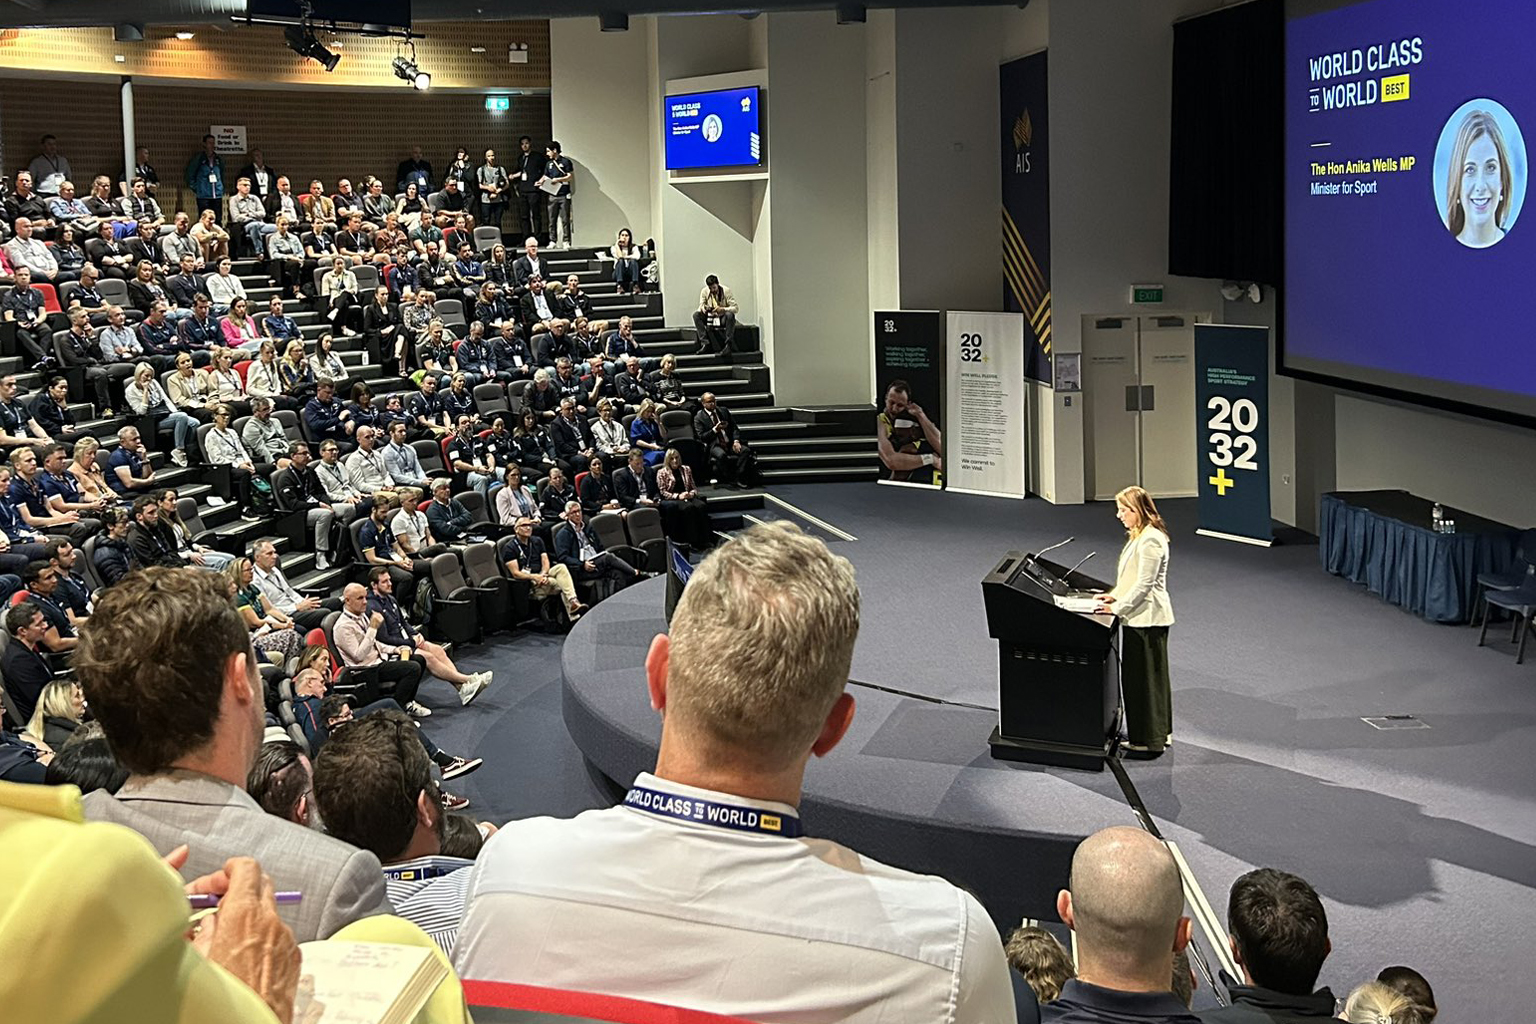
x,y
1256,541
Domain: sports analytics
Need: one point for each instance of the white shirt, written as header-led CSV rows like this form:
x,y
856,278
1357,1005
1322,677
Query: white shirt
x,y
757,926
410,526
224,289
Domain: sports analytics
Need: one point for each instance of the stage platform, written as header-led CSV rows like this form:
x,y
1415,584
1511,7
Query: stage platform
x,y
912,783
1421,841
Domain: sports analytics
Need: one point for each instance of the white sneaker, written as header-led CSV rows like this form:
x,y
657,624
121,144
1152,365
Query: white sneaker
x,y
178,456
416,710
470,690
322,562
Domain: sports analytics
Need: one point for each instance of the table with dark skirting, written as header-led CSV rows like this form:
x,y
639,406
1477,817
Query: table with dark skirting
x,y
1387,541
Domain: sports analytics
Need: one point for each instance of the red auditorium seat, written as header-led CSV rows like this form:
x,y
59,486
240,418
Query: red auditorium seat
x,y
495,995
50,297
241,367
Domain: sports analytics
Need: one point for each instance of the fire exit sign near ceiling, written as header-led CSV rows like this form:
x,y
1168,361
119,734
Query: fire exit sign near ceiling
x,y
1146,293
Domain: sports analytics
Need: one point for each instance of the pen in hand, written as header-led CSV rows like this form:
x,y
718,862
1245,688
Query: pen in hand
x,y
206,901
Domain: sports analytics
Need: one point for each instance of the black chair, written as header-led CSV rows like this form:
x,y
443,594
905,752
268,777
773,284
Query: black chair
x,y
645,533
1521,603
431,455
491,400
493,591
455,604
186,508
1509,579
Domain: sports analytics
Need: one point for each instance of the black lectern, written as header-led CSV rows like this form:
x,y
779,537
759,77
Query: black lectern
x,y
1058,673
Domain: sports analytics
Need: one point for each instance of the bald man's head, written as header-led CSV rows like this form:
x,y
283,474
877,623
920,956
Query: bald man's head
x,y
1126,903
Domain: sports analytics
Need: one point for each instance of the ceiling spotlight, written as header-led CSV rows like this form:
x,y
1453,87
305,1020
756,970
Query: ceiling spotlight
x,y
302,41
184,36
407,71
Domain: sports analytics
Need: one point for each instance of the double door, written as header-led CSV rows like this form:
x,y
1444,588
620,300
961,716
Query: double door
x,y
1139,403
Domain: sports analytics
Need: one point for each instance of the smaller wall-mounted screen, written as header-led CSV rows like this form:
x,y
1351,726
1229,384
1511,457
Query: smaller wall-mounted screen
x,y
714,129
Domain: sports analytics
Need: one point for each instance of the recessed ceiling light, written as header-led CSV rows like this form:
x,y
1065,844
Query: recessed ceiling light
x,y
184,35
477,49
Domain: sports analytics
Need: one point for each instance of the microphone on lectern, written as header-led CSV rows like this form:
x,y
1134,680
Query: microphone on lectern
x,y
1078,566
1053,547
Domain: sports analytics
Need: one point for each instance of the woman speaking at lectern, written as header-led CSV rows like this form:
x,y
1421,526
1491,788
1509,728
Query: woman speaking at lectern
x,y
1140,598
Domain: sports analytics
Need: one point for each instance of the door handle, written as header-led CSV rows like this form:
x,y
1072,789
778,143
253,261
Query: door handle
x,y
1147,396
1132,398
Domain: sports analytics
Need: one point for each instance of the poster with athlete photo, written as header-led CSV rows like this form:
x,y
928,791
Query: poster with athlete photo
x,y
909,382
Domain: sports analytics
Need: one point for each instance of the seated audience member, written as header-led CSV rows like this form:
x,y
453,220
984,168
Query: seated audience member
x,y
224,448
302,490
1125,902
18,428
73,593
82,348
401,460
531,445
152,541
280,781
130,468
42,582
621,344
542,398
464,837
180,243
149,269
631,385
238,329
527,560
211,238
378,794
82,881
746,701
110,254
553,345
224,288
23,306
449,519
515,499
1279,936
596,490
734,460
1375,1003
327,418
248,217
680,502
413,532
114,558
571,435
397,631
582,552
140,203
634,485
385,668
537,312
347,500
200,555
52,412
367,471
26,493
475,460
609,435
666,386
1413,985
85,760
458,400
189,772
308,612
1040,960
427,410
25,664
714,322
645,433
554,494
513,359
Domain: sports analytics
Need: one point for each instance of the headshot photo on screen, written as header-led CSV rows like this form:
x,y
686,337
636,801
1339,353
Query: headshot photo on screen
x,y
1480,173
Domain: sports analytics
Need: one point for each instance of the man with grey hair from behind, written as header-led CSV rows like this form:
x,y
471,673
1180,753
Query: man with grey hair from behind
x,y
1126,905
701,890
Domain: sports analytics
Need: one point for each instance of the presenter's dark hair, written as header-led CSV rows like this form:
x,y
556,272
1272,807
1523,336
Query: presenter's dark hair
x,y
1413,985
1281,929
152,660
899,385
711,280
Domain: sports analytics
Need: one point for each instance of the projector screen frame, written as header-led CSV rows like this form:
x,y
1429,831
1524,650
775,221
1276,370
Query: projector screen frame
x,y
1293,10
731,170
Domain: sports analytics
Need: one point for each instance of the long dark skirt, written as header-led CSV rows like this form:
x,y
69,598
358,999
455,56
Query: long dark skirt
x,y
1144,677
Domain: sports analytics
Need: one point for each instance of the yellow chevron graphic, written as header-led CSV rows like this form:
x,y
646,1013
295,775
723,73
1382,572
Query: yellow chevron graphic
x,y
1026,281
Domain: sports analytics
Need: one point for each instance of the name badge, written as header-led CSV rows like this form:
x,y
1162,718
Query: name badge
x,y
212,178
709,812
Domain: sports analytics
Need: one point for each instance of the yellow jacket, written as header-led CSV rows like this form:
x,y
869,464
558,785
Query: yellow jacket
x,y
92,925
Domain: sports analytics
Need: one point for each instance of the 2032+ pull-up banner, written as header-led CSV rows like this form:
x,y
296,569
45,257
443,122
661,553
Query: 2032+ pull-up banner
x,y
1232,406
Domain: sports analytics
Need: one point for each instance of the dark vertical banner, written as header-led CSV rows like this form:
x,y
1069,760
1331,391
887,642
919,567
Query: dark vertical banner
x,y
909,416
1027,206
1232,410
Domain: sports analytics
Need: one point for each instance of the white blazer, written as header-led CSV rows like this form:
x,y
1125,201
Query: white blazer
x,y
1141,581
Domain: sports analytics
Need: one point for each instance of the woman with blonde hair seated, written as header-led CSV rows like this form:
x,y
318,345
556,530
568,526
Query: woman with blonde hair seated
x,y
60,711
1375,1003
683,513
272,632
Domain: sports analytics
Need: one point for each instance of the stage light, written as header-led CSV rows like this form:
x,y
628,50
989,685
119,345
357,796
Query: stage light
x,y
302,41
407,71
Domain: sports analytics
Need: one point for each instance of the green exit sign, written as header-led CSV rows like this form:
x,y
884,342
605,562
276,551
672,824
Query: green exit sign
x,y
498,104
1143,293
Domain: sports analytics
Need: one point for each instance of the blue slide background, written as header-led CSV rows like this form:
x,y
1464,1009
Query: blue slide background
x,y
685,142
1377,281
